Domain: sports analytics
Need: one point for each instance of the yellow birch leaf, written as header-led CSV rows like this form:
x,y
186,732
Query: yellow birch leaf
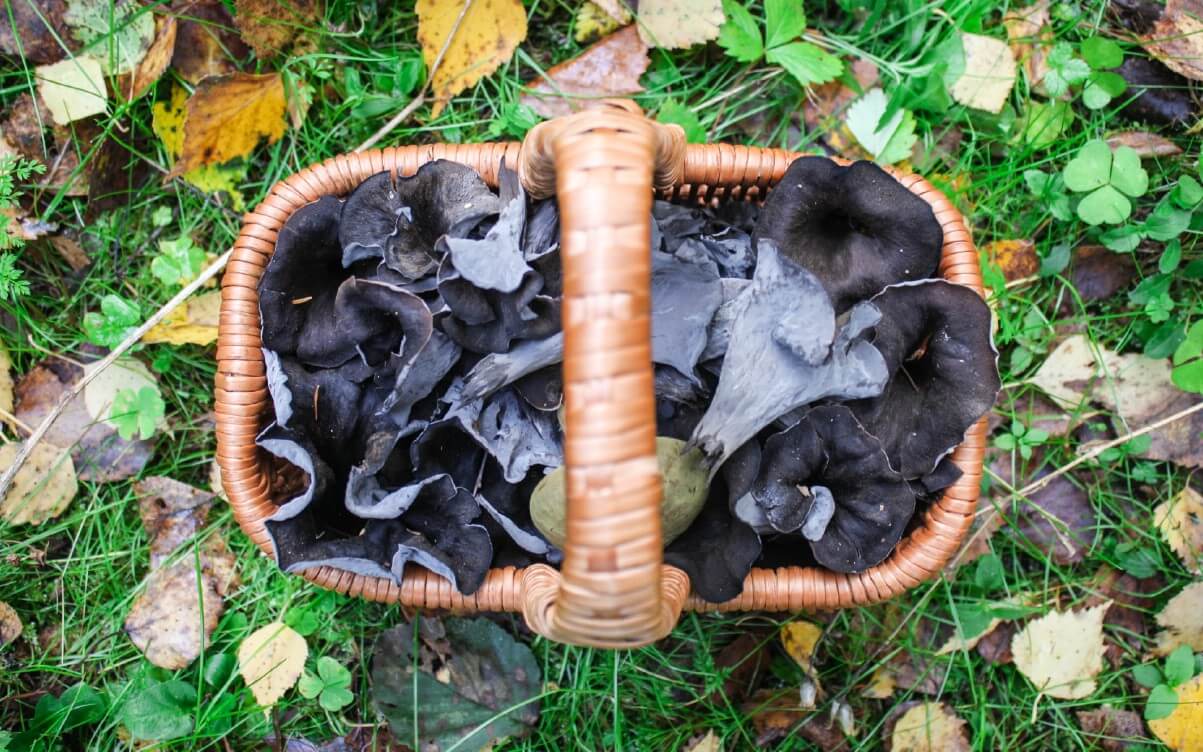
x,y
989,73
1181,622
1182,730
72,89
677,24
799,639
1180,521
227,116
167,121
194,323
42,488
929,727
486,38
881,684
1062,652
6,382
270,661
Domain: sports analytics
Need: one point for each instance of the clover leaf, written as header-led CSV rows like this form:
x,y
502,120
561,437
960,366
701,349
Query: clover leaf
x,y
1179,668
1101,88
784,21
1064,70
179,261
117,318
137,412
1188,193
1108,179
1101,53
1188,360
331,686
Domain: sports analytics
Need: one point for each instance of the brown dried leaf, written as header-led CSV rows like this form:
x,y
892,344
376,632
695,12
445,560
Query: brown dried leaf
x,y
1114,730
271,26
927,727
677,24
10,624
206,43
1180,621
1028,35
71,252
607,68
153,64
776,714
1058,520
116,172
1177,38
36,30
746,658
1180,521
996,646
98,452
1098,273
23,127
42,488
1145,144
1017,258
228,116
486,38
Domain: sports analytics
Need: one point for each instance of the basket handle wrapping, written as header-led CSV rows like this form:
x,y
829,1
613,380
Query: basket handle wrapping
x,y
612,589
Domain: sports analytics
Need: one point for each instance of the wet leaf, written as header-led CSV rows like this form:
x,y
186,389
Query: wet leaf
x,y
1180,621
1017,258
677,24
72,89
206,42
35,31
42,488
1098,273
1061,653
270,660
1177,38
117,34
1058,519
1182,729
1180,521
1145,144
271,26
465,690
153,64
988,76
799,639
1112,729
485,40
929,727
228,116
743,663
194,323
610,67
10,624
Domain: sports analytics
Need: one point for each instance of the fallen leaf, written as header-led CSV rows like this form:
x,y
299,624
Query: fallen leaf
x,y
995,647
6,384
485,693
486,38
35,30
174,615
1180,621
707,743
1098,273
125,374
72,89
1067,372
799,639
10,624
1145,144
71,251
1058,519
194,323
1017,257
153,64
824,106
592,22
988,76
1180,521
1028,34
958,642
118,171
206,43
42,488
99,454
677,24
881,684
746,660
228,116
777,713
1156,94
215,479
928,727
1062,652
1113,730
610,67
1177,38
167,121
271,660
1182,730
271,26
888,142
117,34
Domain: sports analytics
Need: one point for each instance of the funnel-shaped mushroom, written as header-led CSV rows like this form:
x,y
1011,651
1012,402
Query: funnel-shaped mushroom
x,y
685,296
856,228
932,399
400,219
717,551
784,353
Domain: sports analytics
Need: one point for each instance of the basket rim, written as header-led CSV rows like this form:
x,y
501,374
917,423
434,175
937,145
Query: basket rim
x,y
713,173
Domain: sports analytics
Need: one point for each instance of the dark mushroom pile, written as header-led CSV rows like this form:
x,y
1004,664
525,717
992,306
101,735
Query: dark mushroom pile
x,y
812,376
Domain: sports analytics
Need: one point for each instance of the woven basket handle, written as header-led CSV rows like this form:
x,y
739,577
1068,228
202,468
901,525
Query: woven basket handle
x,y
612,590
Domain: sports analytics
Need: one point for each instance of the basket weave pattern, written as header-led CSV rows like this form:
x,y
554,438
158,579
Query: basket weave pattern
x,y
611,589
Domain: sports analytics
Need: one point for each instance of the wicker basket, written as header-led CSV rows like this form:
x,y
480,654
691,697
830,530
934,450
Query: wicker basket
x,y
604,166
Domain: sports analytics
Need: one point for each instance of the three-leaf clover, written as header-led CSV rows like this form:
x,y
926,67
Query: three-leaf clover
x,y
1188,360
116,319
137,412
784,22
179,261
331,685
1021,438
1102,85
1178,669
1108,179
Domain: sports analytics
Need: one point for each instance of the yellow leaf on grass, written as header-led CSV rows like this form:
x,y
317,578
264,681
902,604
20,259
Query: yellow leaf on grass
x,y
1182,730
6,382
708,743
676,24
10,624
486,38
72,89
270,661
167,121
929,727
1062,652
42,488
194,323
1181,622
227,116
989,73
799,639
1180,521
881,684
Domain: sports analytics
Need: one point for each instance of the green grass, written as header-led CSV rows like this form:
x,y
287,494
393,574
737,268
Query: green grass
x,y
73,579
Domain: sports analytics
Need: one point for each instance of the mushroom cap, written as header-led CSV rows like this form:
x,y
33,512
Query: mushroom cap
x,y
685,296
400,218
488,321
856,228
933,399
717,551
365,318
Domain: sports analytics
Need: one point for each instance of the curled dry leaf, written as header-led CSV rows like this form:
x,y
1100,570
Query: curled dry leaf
x,y
42,488
485,40
271,26
676,24
928,727
206,43
609,67
1145,144
10,624
1177,38
1180,521
146,73
271,660
1027,33
174,615
1180,621
194,323
1182,730
72,89
229,115
1062,652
